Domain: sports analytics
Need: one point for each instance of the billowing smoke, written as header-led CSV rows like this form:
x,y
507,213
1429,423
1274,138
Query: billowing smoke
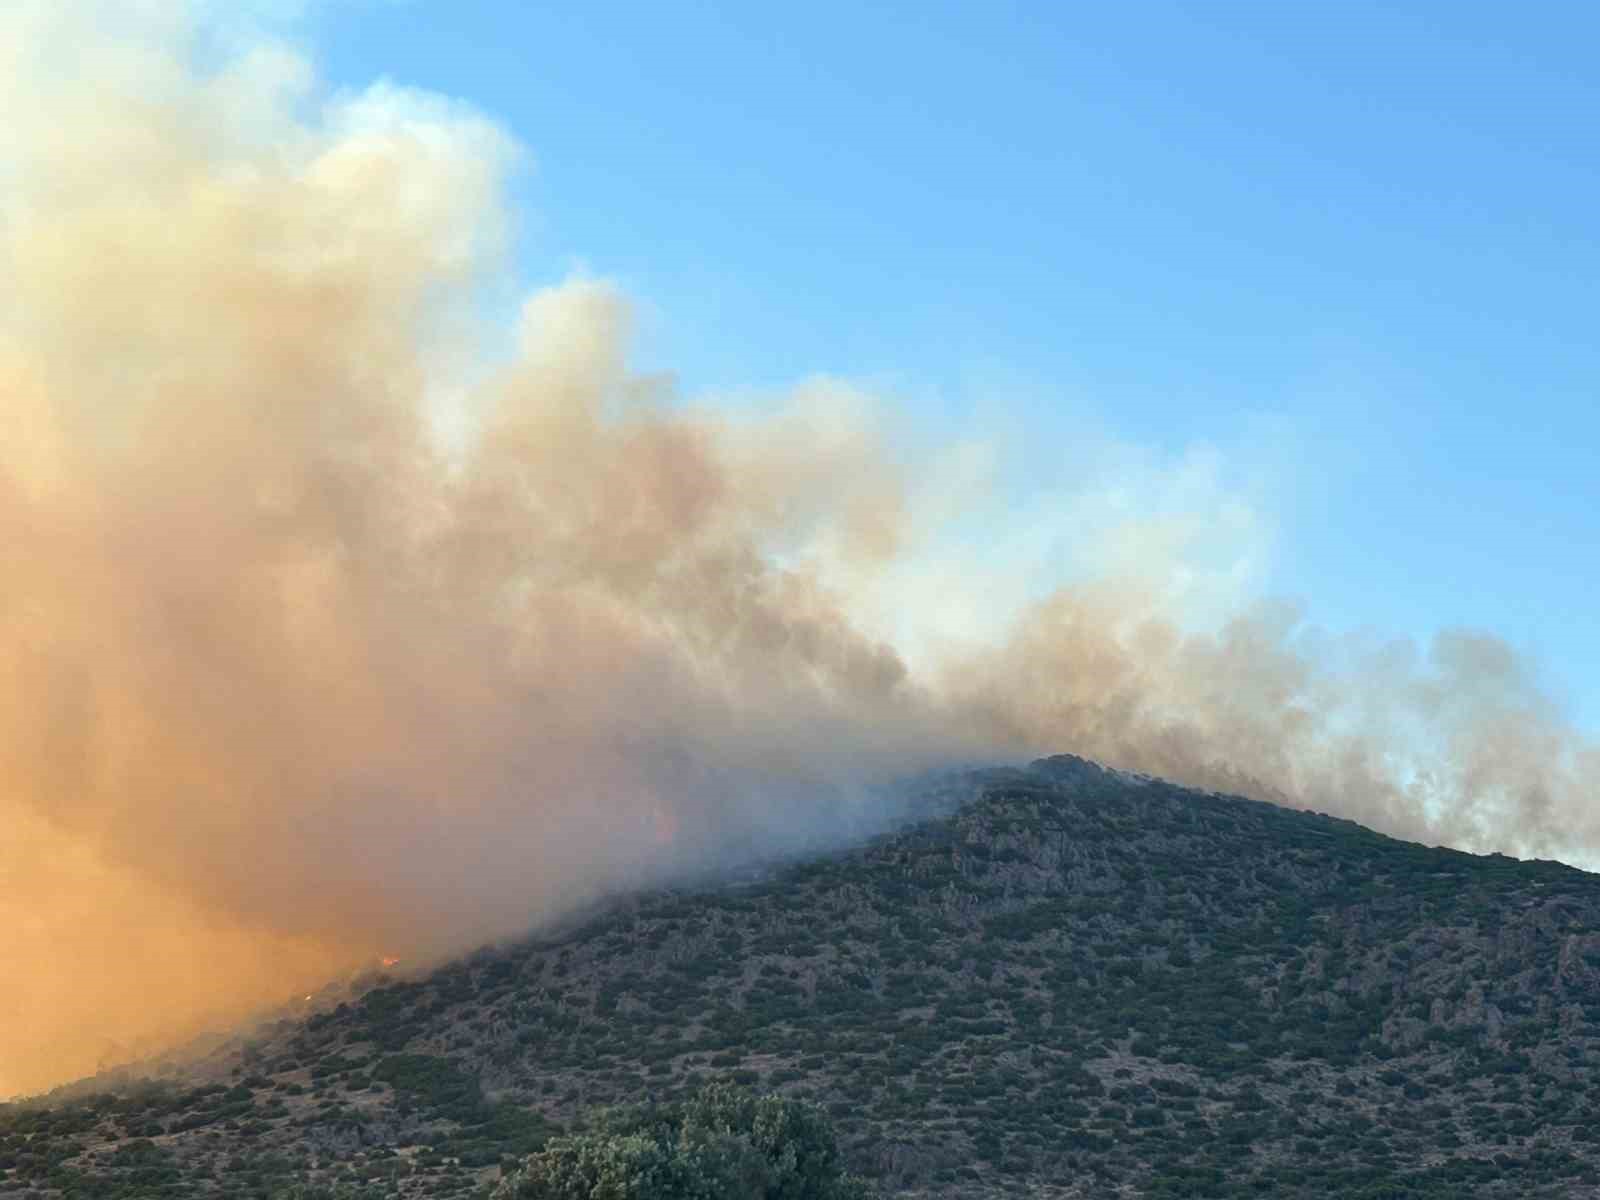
x,y
338,618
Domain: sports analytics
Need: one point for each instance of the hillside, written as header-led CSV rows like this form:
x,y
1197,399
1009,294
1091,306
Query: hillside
x,y
1062,981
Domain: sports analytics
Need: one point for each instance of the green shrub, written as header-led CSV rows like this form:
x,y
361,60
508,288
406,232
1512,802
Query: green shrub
x,y
722,1144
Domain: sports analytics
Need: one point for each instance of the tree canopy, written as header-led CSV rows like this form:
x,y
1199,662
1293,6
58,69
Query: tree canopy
x,y
721,1144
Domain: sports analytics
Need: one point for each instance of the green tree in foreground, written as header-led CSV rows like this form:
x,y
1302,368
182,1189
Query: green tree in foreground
x,y
723,1144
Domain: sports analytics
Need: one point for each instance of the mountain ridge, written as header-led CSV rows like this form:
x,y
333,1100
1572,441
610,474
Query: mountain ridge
x,y
1058,979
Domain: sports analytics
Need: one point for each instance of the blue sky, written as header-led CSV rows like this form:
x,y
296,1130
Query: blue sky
x,y
1361,235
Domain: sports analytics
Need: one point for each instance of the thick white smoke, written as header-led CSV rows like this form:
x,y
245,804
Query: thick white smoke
x,y
292,680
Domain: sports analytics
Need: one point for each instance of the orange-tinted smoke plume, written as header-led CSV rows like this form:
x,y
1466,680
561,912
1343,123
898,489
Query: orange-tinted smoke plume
x,y
293,678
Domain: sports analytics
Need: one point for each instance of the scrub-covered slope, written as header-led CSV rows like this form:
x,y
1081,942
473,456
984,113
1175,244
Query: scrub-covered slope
x,y
1064,980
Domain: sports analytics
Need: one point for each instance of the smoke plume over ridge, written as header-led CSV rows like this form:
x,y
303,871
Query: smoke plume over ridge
x,y
291,679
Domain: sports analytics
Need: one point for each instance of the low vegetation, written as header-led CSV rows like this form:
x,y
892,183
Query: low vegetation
x,y
721,1144
1062,981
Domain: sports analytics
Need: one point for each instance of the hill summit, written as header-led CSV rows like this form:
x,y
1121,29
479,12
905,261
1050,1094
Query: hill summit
x,y
1060,980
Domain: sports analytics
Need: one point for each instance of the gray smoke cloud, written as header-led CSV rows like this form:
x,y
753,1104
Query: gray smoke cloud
x,y
332,629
